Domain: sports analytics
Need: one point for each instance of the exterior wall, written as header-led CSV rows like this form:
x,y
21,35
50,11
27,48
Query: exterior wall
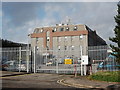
x,y
65,43
37,42
48,32
94,39
72,44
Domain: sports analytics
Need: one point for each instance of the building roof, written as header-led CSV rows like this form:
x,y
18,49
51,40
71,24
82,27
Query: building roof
x,y
38,30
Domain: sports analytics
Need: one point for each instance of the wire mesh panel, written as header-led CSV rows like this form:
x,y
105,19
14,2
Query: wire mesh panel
x,y
10,58
53,61
14,58
102,59
97,52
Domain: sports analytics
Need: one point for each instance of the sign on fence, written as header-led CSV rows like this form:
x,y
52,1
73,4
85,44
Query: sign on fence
x,y
68,61
84,59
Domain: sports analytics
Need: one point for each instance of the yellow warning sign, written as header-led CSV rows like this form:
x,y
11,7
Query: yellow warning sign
x,y
68,61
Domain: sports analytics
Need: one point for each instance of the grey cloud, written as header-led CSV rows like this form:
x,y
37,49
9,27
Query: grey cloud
x,y
98,16
20,12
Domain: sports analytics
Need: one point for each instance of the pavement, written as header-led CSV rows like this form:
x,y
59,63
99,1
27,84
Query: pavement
x,y
10,73
84,82
72,81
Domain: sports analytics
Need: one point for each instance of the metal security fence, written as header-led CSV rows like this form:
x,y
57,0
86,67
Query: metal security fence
x,y
15,58
102,59
58,61
53,61
98,52
109,64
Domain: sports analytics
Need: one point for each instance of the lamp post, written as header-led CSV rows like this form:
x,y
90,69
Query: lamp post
x,y
28,53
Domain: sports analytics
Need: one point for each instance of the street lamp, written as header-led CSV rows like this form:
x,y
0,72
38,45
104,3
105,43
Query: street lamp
x,y
28,52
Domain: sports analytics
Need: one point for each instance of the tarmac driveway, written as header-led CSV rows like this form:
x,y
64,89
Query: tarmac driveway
x,y
52,81
32,81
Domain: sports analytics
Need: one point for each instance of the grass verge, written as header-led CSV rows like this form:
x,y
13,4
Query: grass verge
x,y
109,76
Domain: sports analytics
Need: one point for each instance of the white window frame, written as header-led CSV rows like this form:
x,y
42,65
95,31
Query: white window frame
x,y
65,38
59,47
48,38
81,37
72,47
67,28
55,29
41,30
75,28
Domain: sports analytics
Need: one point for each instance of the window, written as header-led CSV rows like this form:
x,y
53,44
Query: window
x,y
72,47
41,30
67,28
65,38
37,48
61,29
59,39
54,30
72,38
65,47
81,37
36,30
48,33
75,28
37,40
48,38
58,47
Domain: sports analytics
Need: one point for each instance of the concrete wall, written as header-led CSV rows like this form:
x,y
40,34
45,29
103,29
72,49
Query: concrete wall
x,y
70,45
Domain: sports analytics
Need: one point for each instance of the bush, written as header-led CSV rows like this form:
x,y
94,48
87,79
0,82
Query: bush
x,y
109,76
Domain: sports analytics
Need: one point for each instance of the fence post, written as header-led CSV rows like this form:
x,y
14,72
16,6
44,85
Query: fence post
x,y
84,69
46,56
81,61
34,59
57,62
27,53
75,68
81,70
56,66
19,66
91,69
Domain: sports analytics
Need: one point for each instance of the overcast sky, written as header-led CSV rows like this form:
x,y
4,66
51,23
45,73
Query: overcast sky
x,y
20,18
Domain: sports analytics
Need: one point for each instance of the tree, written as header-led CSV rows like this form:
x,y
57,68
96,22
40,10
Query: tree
x,y
116,38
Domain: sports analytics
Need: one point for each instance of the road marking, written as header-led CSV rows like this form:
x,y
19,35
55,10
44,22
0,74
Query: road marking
x,y
62,81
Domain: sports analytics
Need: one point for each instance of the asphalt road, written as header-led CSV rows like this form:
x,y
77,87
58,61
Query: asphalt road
x,y
33,81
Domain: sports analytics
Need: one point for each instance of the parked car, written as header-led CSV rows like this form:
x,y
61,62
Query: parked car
x,y
14,65
21,66
49,63
9,65
3,65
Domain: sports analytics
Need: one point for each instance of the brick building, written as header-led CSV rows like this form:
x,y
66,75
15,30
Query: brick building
x,y
67,39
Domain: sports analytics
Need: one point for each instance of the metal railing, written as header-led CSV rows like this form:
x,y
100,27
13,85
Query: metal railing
x,y
53,61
